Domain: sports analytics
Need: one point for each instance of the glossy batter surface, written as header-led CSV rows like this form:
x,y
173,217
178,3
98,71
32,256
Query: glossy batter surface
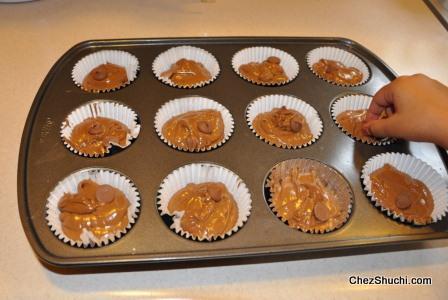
x,y
337,72
105,77
187,72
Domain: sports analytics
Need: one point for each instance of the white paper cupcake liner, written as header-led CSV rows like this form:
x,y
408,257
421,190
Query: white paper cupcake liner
x,y
70,185
334,179
343,56
200,173
415,168
121,58
182,105
164,61
260,54
100,108
356,102
269,102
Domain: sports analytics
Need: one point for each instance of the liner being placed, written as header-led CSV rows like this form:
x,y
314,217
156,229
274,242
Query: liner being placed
x,y
182,105
200,173
335,181
260,54
164,61
269,102
356,102
337,54
70,185
121,58
100,108
415,168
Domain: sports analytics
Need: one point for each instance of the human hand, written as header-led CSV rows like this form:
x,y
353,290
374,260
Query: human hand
x,y
416,107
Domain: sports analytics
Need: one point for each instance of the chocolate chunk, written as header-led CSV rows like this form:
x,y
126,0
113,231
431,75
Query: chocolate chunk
x,y
83,185
215,192
99,74
266,75
295,124
105,193
192,142
273,60
403,201
96,129
321,211
204,127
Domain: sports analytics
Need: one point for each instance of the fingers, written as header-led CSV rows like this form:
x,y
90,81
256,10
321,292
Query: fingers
x,y
383,100
382,127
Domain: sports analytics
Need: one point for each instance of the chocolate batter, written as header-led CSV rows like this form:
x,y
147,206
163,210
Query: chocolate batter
x,y
306,201
105,77
195,130
269,71
187,72
283,127
100,209
93,136
209,209
402,194
337,72
352,121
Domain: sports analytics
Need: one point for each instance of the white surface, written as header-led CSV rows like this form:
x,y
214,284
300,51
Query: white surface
x,y
34,35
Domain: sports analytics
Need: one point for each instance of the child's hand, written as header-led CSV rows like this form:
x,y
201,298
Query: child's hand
x,y
417,109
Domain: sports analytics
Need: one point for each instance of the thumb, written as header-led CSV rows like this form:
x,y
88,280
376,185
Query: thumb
x,y
381,127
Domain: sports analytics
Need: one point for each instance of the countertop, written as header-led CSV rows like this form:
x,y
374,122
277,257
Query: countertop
x,y
404,34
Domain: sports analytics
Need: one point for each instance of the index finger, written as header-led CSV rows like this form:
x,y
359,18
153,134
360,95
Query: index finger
x,y
383,99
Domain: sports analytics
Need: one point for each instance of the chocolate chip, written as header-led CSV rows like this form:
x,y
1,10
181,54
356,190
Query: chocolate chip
x,y
99,74
204,127
403,201
295,124
321,211
96,129
273,60
83,185
215,192
105,193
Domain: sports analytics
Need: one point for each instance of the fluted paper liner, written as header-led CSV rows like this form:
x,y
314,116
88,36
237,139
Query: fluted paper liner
x,y
355,102
182,105
334,179
70,185
269,102
200,173
260,54
343,56
164,61
415,168
121,58
100,108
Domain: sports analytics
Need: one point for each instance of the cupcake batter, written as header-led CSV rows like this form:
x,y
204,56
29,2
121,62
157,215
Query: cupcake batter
x,y
305,200
337,72
105,77
100,209
283,127
195,130
94,136
209,209
269,71
187,72
403,195
352,121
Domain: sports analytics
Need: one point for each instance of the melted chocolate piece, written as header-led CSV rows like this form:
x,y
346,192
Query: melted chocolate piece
x,y
269,71
95,135
209,209
187,72
105,77
195,130
100,209
305,200
403,195
337,72
283,127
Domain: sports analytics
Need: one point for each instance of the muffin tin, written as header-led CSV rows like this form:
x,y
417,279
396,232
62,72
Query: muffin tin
x,y
44,161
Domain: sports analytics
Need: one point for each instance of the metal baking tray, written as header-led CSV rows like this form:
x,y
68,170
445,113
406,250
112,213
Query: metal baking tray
x,y
44,161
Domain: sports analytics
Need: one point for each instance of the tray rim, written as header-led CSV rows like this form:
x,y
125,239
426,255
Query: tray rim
x,y
156,259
